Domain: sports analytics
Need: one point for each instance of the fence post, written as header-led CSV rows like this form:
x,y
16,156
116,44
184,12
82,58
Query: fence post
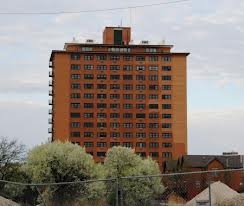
x,y
117,191
209,190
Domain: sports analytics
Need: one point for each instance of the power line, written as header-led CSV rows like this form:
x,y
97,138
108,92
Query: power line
x,y
92,10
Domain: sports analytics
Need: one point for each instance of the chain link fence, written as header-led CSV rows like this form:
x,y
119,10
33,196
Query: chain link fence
x,y
218,187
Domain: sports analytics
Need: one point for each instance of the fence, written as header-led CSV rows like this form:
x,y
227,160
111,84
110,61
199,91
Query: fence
x,y
219,187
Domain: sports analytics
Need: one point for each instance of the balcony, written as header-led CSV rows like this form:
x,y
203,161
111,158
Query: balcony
x,y
50,83
50,73
50,64
50,130
50,102
50,121
50,92
50,111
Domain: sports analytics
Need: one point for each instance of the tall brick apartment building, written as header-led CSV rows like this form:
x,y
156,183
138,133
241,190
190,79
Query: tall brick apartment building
x,y
119,93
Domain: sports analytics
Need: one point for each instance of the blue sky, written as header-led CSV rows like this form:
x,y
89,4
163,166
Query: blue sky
x,y
212,31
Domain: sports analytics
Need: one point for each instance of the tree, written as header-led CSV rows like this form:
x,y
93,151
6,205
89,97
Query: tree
x,y
12,153
121,162
64,162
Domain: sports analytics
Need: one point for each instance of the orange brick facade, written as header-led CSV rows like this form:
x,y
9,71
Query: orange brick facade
x,y
117,93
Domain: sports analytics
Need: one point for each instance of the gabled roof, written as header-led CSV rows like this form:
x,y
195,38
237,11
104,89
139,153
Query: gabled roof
x,y
201,161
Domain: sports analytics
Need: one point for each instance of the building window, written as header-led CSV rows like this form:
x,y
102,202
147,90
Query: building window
x,y
102,76
75,124
140,68
166,68
114,96
86,49
114,67
101,154
75,95
75,115
88,57
153,144
88,134
114,134
153,125
154,135
101,115
127,96
127,67
88,105
114,125
75,86
166,96
128,125
141,144
166,125
128,135
114,77
167,135
166,106
140,58
114,144
141,154
166,78
128,86
127,144
114,57
75,67
101,144
88,96
140,96
153,96
128,58
153,58
75,56
114,106
153,68
88,86
140,87
127,77
153,106
153,87
153,154
101,67
166,144
140,125
153,77
140,106
88,115
153,115
128,115
114,115
128,106
75,76
88,67
167,155
88,76
140,115
101,96
75,105
114,86
141,135
75,134
141,77
166,116
101,57
151,50
101,86
101,134
88,144
88,124
166,58
101,124
101,105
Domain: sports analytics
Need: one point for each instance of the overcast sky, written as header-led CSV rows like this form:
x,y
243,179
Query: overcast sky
x,y
212,31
